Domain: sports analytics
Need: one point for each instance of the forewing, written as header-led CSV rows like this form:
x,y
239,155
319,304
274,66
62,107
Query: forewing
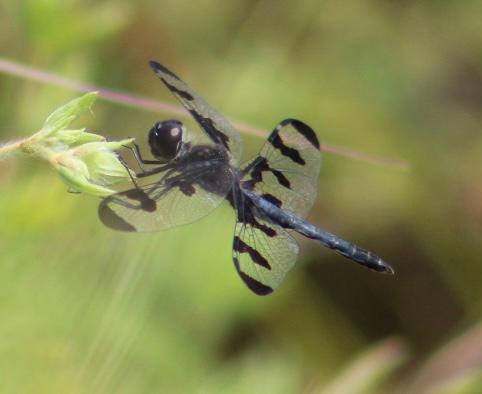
x,y
287,168
173,201
263,252
218,129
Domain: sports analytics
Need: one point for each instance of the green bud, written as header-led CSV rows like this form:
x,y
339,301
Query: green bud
x,y
76,183
86,162
91,167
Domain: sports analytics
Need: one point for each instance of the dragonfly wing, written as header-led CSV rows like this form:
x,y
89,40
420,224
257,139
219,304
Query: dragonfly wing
x,y
287,168
175,200
217,128
263,252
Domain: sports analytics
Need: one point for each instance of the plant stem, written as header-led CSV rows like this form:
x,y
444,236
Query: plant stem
x,y
11,147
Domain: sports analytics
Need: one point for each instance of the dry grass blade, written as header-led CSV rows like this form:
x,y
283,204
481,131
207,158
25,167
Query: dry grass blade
x,y
459,359
368,369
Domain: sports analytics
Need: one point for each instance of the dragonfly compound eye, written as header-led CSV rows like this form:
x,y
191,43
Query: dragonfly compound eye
x,y
165,139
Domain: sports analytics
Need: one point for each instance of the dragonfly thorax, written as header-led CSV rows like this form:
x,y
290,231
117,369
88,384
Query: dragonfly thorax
x,y
207,166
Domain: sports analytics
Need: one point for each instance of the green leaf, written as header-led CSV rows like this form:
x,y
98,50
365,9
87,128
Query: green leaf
x,y
63,116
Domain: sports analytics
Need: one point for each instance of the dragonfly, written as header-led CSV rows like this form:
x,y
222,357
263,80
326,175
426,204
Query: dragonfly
x,y
271,194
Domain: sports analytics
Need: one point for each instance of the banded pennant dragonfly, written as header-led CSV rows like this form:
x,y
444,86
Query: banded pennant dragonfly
x,y
271,194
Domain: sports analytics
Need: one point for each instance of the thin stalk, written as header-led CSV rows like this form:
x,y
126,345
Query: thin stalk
x,y
23,71
11,147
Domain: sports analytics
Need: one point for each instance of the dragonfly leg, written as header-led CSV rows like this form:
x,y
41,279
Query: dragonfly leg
x,y
129,171
136,152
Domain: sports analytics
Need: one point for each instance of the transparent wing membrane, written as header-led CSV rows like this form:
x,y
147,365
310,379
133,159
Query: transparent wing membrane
x,y
178,198
287,167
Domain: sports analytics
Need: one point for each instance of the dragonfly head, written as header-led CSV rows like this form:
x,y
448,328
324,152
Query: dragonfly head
x,y
166,139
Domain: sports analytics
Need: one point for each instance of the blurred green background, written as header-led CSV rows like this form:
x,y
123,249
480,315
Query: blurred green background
x,y
87,310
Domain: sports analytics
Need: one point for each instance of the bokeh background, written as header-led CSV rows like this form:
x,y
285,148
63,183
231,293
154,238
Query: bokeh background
x,y
87,310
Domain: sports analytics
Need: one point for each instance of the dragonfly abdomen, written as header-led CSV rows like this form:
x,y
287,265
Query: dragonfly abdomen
x,y
347,249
